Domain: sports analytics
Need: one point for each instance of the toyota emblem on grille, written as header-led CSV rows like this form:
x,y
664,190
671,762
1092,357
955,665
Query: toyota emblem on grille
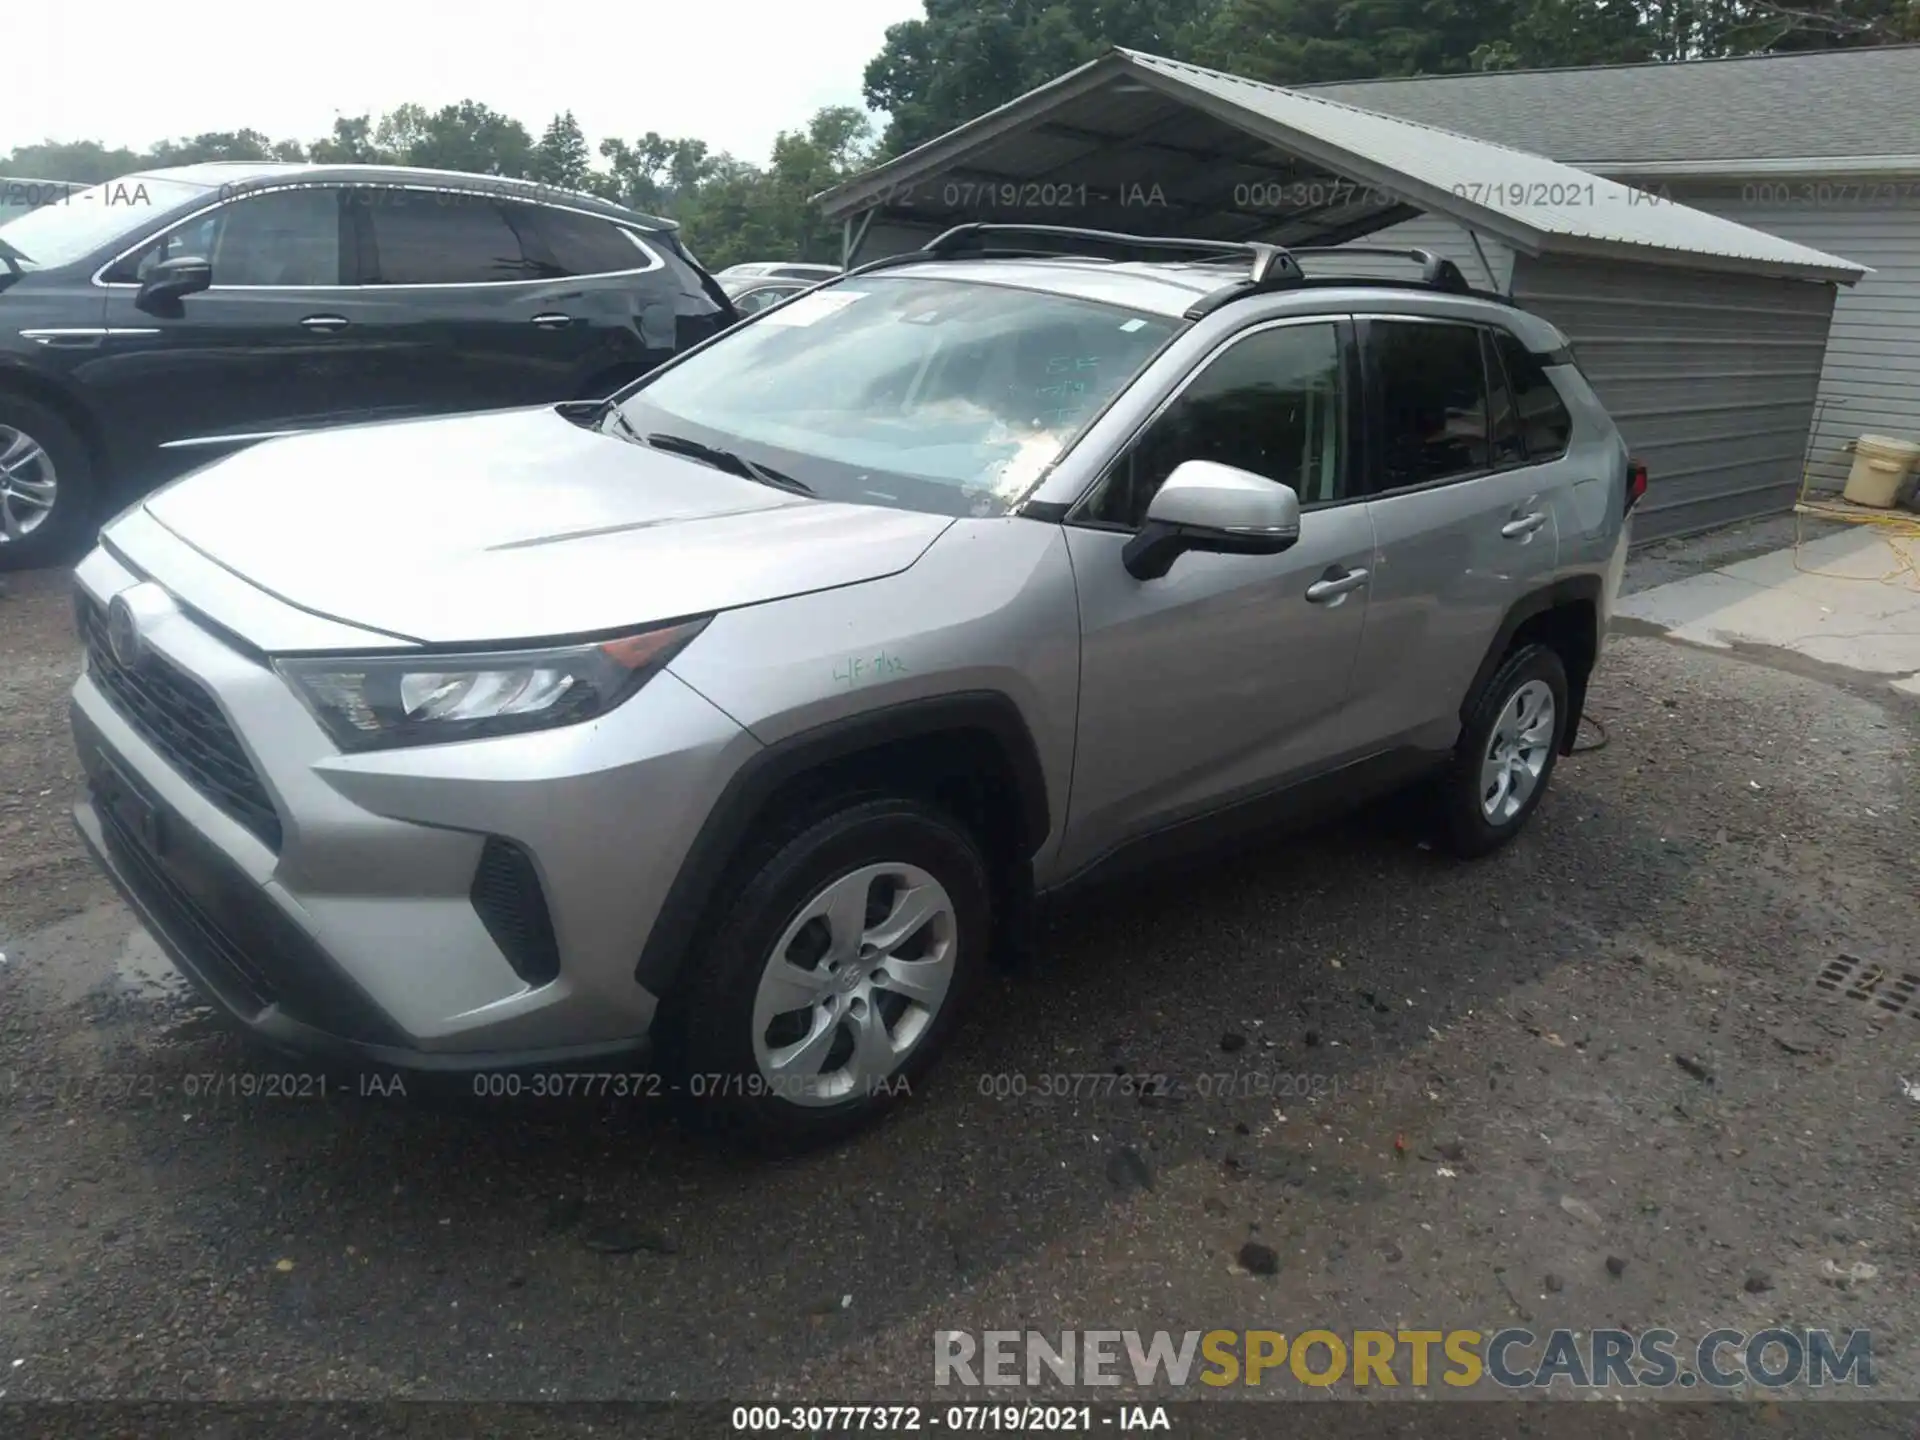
x,y
123,633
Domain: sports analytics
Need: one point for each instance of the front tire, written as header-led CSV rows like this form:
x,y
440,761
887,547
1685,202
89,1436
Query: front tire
x,y
841,954
46,485
1505,755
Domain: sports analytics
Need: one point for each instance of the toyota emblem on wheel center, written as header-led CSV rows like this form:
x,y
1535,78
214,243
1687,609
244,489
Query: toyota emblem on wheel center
x,y
123,633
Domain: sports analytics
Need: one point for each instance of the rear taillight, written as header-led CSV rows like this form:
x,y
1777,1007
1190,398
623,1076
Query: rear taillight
x,y
1636,483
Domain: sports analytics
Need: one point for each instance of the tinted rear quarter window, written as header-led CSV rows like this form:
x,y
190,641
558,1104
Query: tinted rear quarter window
x,y
1434,420
1545,425
580,244
430,238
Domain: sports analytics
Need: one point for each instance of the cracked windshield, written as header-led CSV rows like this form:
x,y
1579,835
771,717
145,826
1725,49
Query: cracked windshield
x,y
930,394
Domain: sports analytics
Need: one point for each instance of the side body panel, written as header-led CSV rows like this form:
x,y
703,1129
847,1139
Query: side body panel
x,y
1213,683
988,609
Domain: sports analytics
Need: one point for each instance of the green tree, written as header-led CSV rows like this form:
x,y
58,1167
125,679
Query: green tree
x,y
1300,42
351,143
77,162
1824,25
739,212
225,145
655,173
562,157
468,136
1579,32
400,130
965,57
1304,41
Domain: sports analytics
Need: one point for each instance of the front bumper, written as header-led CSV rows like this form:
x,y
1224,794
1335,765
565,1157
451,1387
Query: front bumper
x,y
353,931
242,954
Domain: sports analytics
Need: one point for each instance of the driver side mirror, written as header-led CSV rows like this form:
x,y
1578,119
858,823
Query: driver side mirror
x,y
1217,508
170,280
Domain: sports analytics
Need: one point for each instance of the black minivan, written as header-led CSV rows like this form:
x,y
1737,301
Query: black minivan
x,y
155,322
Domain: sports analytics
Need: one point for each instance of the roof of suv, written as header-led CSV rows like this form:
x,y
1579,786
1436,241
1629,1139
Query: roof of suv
x,y
240,174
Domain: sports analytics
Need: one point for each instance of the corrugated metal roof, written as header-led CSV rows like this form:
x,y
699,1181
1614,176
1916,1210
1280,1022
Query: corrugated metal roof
x,y
1813,104
1546,200
1125,112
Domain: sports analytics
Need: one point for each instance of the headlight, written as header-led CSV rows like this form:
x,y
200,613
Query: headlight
x,y
373,702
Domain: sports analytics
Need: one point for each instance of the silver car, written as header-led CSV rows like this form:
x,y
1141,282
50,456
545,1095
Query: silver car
x,y
734,721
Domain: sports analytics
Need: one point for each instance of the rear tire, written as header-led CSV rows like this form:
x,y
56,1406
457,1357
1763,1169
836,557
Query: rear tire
x,y
842,950
47,487
1505,755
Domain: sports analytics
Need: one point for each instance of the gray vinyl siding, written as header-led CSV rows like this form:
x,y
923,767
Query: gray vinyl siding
x,y
1426,232
1711,377
1870,379
1871,383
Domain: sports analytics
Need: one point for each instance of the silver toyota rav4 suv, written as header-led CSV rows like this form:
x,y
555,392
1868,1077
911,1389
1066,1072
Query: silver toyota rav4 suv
x,y
740,717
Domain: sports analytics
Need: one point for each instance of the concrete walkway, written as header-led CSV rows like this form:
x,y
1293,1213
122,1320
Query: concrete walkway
x,y
1848,597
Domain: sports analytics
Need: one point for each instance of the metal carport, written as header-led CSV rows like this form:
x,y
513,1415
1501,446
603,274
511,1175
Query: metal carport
x,y
1663,303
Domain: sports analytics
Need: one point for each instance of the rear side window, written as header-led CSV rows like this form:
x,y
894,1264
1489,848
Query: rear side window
x,y
423,237
282,238
1504,420
579,244
1433,401
1545,425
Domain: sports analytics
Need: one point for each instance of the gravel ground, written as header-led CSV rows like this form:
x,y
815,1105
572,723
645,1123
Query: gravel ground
x,y
1587,1082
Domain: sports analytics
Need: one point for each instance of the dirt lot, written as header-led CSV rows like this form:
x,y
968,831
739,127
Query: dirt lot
x,y
44,872
1618,1098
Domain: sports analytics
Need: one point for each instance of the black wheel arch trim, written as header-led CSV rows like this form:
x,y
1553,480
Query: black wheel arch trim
x,y
32,385
731,819
1574,589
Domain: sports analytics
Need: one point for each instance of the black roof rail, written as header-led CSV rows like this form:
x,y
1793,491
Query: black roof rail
x,y
1268,261
1436,271
1272,267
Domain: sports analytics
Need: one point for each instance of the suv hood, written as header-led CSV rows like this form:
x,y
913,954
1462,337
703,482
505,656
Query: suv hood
x,y
517,525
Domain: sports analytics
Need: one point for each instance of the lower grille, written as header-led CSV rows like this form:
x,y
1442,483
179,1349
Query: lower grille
x,y
178,718
507,896
224,963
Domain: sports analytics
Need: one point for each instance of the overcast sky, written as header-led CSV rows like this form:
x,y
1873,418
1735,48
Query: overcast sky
x,y
731,72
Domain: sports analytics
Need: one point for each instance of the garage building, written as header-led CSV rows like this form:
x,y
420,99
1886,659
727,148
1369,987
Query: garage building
x,y
1705,338
1817,146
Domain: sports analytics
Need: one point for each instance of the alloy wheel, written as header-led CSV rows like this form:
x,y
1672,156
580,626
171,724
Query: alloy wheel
x,y
853,984
28,484
1517,752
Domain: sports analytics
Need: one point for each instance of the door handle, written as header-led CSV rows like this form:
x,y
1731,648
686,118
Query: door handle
x,y
1332,588
1524,526
553,321
325,324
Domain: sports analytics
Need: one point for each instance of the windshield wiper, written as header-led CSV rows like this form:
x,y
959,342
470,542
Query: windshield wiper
x,y
725,460
13,258
611,412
